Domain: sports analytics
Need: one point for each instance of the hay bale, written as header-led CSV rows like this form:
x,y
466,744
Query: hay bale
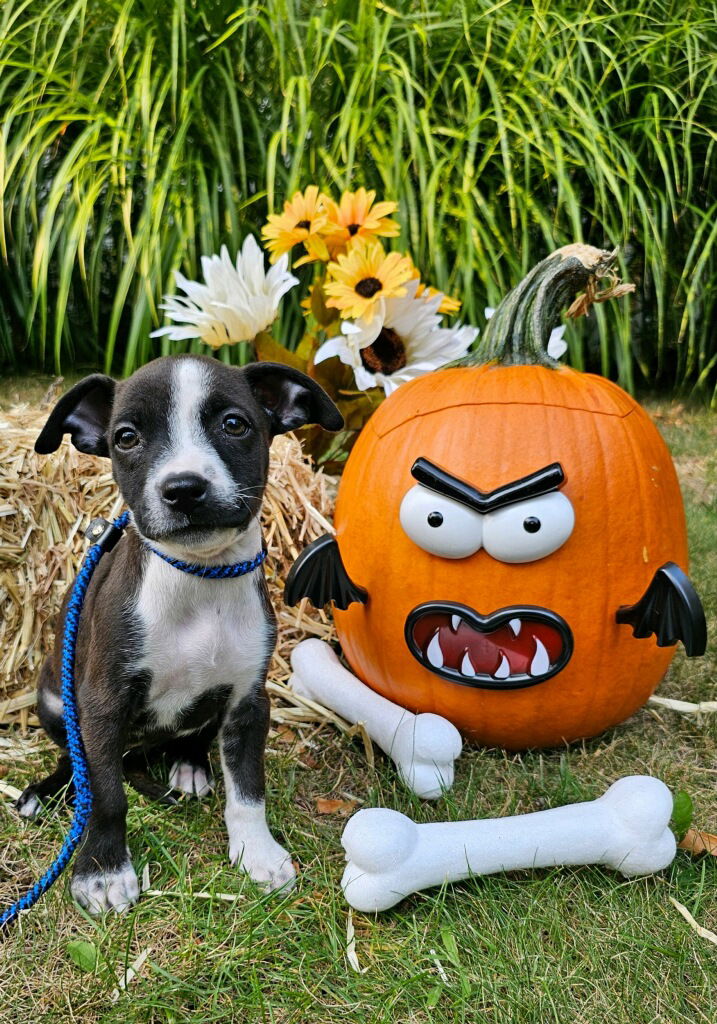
x,y
47,501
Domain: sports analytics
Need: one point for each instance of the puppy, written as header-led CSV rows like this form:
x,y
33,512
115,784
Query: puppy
x,y
167,660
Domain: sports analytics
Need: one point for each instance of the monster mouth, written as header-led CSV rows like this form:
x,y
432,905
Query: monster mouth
x,y
510,649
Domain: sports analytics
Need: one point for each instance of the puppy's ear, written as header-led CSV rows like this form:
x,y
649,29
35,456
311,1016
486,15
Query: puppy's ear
x,y
84,413
290,398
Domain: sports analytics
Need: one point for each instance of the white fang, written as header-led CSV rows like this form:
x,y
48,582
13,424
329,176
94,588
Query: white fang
x,y
515,625
455,622
467,666
503,670
541,662
434,652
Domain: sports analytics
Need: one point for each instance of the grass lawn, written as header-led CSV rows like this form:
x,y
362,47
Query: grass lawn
x,y
566,945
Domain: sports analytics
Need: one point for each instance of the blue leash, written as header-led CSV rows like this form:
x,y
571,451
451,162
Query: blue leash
x,y
75,747
104,537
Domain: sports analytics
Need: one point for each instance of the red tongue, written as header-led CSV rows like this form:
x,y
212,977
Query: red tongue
x,y
486,651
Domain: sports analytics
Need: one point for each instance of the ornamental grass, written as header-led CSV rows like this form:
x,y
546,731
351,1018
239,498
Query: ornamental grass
x,y
139,136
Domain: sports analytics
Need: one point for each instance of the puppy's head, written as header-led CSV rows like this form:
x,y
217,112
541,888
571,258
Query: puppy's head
x,y
189,439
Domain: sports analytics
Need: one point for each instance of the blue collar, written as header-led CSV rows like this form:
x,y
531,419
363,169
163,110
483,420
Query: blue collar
x,y
104,536
212,572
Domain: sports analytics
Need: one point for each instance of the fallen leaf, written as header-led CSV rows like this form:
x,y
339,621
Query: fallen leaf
x,y
351,946
285,735
126,976
434,995
683,810
704,933
342,807
268,349
439,967
686,706
360,730
7,790
229,897
696,842
83,954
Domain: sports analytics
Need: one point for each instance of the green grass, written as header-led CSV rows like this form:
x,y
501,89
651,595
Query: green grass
x,y
138,135
581,945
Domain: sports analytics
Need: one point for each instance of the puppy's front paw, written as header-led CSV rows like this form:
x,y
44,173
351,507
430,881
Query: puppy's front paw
x,y
266,863
99,891
190,778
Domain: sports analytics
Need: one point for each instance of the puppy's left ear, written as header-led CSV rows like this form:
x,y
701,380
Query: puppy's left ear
x,y
290,398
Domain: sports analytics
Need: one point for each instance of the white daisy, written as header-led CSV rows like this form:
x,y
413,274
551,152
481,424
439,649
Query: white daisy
x,y
402,340
236,303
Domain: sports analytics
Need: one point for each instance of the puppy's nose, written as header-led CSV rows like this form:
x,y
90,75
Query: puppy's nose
x,y
183,491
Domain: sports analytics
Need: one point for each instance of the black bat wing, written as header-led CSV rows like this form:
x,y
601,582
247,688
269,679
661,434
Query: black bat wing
x,y
671,609
319,574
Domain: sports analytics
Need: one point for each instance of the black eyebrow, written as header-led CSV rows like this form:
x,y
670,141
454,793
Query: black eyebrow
x,y
549,478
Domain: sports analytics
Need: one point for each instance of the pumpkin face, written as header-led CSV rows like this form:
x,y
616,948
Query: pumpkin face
x,y
498,516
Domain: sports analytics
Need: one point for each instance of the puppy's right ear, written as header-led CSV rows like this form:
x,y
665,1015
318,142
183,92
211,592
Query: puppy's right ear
x,y
83,413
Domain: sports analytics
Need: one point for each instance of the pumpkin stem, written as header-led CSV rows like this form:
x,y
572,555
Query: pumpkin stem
x,y
519,330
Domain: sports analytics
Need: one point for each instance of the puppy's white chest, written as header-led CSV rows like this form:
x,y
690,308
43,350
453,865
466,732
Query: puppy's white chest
x,y
200,634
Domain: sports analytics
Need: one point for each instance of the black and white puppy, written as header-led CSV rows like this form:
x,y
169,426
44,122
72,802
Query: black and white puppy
x,y
166,660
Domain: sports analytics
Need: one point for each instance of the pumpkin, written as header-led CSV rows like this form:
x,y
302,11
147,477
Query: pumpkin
x,y
498,515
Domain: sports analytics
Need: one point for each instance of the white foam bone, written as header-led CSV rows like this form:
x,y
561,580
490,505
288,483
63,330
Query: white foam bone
x,y
423,747
389,856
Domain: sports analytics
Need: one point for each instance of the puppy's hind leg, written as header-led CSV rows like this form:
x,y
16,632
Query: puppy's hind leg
x,y
50,713
138,775
188,757
35,796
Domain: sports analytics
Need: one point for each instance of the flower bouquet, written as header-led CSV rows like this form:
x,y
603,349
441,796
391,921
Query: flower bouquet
x,y
370,323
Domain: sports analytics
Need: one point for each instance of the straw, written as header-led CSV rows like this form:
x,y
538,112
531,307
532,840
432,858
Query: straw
x,y
45,504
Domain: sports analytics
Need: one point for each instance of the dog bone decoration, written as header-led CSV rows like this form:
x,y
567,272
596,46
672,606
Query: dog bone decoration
x,y
423,747
389,856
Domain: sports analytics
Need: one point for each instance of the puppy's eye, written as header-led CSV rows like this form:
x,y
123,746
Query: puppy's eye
x,y
235,426
126,438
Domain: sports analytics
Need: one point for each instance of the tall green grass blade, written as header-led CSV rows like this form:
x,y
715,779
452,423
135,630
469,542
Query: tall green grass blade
x,y
137,136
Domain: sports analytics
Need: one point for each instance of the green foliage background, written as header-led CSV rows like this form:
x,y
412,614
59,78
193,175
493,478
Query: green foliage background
x,y
138,135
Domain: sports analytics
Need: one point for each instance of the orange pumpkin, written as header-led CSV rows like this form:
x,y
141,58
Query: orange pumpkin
x,y
518,649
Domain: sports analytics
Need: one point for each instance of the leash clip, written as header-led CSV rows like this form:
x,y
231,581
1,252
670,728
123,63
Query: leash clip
x,y
103,534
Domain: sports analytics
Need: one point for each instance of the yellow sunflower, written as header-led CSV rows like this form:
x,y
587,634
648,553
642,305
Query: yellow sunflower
x,y
448,305
356,216
303,220
363,275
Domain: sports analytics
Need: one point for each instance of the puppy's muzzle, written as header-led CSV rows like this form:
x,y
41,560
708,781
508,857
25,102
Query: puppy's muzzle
x,y
184,492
